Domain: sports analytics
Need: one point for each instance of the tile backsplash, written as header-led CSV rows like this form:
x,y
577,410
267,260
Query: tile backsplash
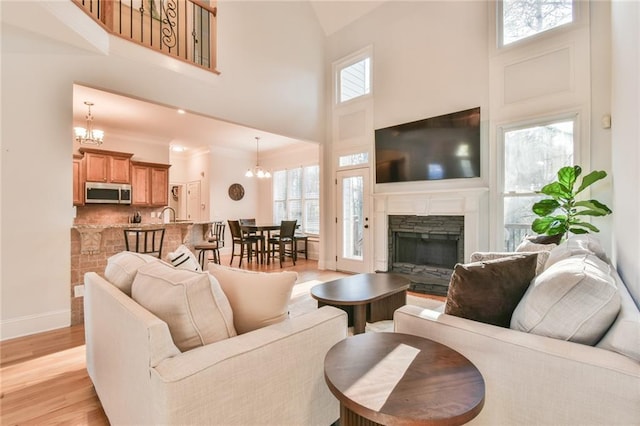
x,y
115,214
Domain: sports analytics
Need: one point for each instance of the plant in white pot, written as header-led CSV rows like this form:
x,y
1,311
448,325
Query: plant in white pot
x,y
562,214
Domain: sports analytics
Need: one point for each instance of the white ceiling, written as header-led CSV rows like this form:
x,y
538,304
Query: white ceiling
x,y
163,125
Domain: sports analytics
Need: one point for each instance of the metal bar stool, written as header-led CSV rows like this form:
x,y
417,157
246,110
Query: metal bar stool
x,y
142,240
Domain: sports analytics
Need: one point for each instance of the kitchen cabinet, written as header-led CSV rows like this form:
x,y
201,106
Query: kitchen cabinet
x,y
149,184
106,166
78,181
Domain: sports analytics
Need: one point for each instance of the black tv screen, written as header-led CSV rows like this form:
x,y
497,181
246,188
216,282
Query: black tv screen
x,y
436,148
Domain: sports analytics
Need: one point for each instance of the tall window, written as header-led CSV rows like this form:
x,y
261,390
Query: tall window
x,y
353,76
532,157
520,19
296,195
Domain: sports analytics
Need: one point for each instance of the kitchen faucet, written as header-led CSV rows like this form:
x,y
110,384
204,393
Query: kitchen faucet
x,y
168,208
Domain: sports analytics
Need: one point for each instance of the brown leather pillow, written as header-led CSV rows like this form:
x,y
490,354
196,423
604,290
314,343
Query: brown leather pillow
x,y
489,291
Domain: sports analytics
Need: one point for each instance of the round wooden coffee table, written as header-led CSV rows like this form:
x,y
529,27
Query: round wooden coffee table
x,y
400,379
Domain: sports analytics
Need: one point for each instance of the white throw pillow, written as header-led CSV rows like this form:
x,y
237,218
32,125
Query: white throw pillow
x,y
575,299
122,267
576,245
191,303
527,246
183,258
258,299
624,335
483,256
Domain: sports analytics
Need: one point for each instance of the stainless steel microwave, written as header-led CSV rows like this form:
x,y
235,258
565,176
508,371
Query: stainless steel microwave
x,y
107,193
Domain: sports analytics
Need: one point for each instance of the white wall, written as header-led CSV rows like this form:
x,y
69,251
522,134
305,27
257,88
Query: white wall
x,y
429,58
438,57
626,140
271,64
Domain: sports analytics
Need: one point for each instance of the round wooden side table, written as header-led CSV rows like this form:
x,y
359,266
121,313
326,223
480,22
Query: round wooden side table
x,y
400,379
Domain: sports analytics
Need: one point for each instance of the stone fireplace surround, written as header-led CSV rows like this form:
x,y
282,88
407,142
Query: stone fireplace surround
x,y
464,203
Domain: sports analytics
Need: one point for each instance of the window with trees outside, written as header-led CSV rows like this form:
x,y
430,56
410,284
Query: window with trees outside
x,y
353,77
520,19
532,157
296,195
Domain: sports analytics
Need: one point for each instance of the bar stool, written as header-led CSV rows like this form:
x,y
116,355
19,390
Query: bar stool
x,y
142,240
213,242
301,238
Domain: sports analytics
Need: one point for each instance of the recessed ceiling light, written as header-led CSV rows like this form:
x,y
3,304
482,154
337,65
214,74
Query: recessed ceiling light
x,y
178,148
181,111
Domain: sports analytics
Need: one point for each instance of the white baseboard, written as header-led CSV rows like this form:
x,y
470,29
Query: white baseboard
x,y
32,324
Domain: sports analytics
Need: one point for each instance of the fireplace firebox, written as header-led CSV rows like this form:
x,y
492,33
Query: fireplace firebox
x,y
426,249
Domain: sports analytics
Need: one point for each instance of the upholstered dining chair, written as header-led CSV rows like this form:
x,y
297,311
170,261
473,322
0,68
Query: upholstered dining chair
x,y
248,244
284,241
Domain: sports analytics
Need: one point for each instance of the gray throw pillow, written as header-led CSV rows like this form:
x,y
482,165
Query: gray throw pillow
x,y
489,291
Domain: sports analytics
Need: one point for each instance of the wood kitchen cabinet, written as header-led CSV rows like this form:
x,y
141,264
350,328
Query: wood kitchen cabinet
x,y
106,166
78,181
149,184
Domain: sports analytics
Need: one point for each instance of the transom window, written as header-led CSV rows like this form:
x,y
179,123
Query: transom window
x,y
296,195
520,19
353,159
532,157
353,76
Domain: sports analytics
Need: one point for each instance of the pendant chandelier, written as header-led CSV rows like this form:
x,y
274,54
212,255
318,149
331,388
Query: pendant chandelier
x,y
89,135
258,171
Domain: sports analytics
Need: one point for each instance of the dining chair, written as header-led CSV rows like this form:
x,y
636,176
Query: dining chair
x,y
246,243
147,241
284,241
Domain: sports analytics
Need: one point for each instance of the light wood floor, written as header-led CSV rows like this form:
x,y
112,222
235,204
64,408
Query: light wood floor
x,y
43,378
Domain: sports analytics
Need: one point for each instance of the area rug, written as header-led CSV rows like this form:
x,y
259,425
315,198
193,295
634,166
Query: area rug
x,y
302,303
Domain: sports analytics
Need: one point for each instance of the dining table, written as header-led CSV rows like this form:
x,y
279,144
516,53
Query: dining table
x,y
262,228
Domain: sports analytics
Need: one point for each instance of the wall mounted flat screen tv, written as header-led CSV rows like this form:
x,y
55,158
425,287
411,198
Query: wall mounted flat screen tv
x,y
436,148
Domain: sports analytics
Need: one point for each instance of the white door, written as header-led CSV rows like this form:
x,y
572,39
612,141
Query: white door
x,y
353,221
193,201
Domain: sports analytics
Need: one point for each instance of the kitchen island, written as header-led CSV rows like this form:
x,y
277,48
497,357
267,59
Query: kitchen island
x,y
92,244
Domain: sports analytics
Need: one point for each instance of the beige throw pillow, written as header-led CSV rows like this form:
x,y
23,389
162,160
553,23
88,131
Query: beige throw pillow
x,y
258,299
122,267
575,299
483,256
191,303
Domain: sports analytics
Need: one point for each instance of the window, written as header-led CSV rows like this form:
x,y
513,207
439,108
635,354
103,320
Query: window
x,y
353,76
532,157
353,159
296,195
520,19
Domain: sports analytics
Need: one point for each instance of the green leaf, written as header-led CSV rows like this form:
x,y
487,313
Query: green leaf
x,y
549,225
567,176
591,178
594,206
555,190
578,231
580,225
545,207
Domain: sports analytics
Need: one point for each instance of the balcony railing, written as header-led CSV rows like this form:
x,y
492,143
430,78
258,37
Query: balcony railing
x,y
513,235
183,29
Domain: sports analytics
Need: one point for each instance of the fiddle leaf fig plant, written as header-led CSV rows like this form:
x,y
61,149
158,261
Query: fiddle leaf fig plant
x,y
561,213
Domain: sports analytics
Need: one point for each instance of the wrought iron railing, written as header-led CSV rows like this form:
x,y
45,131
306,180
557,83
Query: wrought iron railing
x,y
183,29
513,235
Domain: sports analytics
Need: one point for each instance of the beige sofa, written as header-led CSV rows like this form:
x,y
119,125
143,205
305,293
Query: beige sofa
x,y
534,379
273,375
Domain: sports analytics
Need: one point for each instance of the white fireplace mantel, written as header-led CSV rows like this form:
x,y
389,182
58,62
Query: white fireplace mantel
x,y
462,202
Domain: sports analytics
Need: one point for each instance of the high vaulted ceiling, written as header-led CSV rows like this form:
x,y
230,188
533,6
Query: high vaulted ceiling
x,y
153,123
